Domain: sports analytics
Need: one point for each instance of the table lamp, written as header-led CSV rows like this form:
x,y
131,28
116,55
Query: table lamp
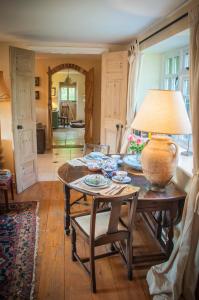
x,y
162,112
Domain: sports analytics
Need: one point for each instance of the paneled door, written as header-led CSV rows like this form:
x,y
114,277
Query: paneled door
x,y
22,68
114,97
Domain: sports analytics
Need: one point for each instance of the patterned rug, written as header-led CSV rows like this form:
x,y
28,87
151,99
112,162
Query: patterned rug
x,y
18,247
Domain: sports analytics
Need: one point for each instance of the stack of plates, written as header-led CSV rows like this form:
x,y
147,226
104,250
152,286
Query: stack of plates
x,y
133,162
97,180
95,156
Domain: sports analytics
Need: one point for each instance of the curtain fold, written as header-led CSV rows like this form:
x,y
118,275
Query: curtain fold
x,y
178,276
134,67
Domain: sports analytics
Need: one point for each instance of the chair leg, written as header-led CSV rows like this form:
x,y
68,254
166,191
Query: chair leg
x,y
129,254
73,242
12,190
92,269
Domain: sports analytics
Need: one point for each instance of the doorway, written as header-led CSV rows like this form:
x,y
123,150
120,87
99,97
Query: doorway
x,y
68,109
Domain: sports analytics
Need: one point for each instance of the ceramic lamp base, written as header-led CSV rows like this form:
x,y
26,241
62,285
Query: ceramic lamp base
x,y
159,159
156,188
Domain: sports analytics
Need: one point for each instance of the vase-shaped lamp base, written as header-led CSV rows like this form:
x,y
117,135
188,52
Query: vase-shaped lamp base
x,y
156,188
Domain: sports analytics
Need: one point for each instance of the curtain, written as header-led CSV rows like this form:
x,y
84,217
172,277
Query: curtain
x,y
178,276
134,67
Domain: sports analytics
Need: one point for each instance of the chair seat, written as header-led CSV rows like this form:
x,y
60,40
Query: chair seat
x,y
102,221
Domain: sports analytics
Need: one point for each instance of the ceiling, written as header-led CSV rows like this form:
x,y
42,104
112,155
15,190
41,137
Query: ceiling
x,y
57,22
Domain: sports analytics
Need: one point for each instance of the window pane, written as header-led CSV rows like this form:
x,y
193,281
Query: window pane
x,y
166,84
185,87
186,60
72,96
169,66
64,93
175,65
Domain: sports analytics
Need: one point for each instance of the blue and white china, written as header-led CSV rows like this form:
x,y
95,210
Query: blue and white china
x,y
118,179
132,161
97,180
94,165
109,167
95,155
121,175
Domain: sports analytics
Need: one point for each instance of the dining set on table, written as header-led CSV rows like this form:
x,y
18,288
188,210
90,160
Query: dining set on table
x,y
119,192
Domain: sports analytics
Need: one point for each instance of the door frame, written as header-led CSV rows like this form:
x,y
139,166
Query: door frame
x,y
51,71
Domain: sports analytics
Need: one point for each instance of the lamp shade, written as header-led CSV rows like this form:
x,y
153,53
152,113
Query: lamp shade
x,y
4,93
163,112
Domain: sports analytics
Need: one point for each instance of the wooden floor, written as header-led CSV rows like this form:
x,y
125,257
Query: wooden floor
x,y
57,277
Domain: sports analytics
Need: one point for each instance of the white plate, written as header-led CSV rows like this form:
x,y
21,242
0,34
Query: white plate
x,y
89,180
127,179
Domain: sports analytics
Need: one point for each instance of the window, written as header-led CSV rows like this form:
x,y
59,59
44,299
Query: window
x,y
68,93
176,77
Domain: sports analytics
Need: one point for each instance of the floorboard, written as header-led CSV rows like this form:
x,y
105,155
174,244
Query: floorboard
x,y
57,277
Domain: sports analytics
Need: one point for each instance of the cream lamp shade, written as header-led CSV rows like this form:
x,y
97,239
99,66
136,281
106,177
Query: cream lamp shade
x,y
4,93
163,112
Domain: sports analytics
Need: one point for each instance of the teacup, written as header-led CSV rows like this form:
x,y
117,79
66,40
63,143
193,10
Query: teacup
x,y
121,175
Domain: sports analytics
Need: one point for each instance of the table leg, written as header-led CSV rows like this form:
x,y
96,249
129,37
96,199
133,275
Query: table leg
x,y
169,244
159,226
12,190
67,210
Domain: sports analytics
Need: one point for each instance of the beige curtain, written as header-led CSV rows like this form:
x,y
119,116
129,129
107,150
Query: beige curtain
x,y
178,276
134,67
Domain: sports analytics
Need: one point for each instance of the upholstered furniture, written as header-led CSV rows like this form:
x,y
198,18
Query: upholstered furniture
x,y
6,185
103,227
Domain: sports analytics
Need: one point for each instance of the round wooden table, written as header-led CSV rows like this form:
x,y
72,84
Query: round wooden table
x,y
159,209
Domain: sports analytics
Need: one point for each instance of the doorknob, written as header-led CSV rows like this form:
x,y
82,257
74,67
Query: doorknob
x,y
19,127
117,126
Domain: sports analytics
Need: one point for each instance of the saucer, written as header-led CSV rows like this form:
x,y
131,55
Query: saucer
x,y
126,179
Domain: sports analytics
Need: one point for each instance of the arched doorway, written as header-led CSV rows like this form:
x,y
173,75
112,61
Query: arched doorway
x,y
89,92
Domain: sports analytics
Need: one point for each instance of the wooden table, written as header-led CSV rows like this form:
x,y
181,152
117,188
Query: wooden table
x,y
160,210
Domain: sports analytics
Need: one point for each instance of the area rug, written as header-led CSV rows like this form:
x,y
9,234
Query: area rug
x,y
18,248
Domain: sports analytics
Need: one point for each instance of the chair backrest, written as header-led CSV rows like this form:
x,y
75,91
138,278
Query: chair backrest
x,y
114,205
95,147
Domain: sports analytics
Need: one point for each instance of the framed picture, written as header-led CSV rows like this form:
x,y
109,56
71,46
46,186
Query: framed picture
x,y
37,81
37,95
53,91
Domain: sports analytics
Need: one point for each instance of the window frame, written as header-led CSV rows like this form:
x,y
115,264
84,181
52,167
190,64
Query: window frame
x,y
184,141
67,86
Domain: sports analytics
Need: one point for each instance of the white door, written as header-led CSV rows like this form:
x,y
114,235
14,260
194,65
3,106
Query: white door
x,y
22,67
114,97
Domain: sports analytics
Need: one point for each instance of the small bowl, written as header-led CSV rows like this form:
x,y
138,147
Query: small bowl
x,y
108,173
93,166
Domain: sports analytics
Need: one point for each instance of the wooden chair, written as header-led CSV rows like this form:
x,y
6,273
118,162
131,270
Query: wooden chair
x,y
87,149
103,227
